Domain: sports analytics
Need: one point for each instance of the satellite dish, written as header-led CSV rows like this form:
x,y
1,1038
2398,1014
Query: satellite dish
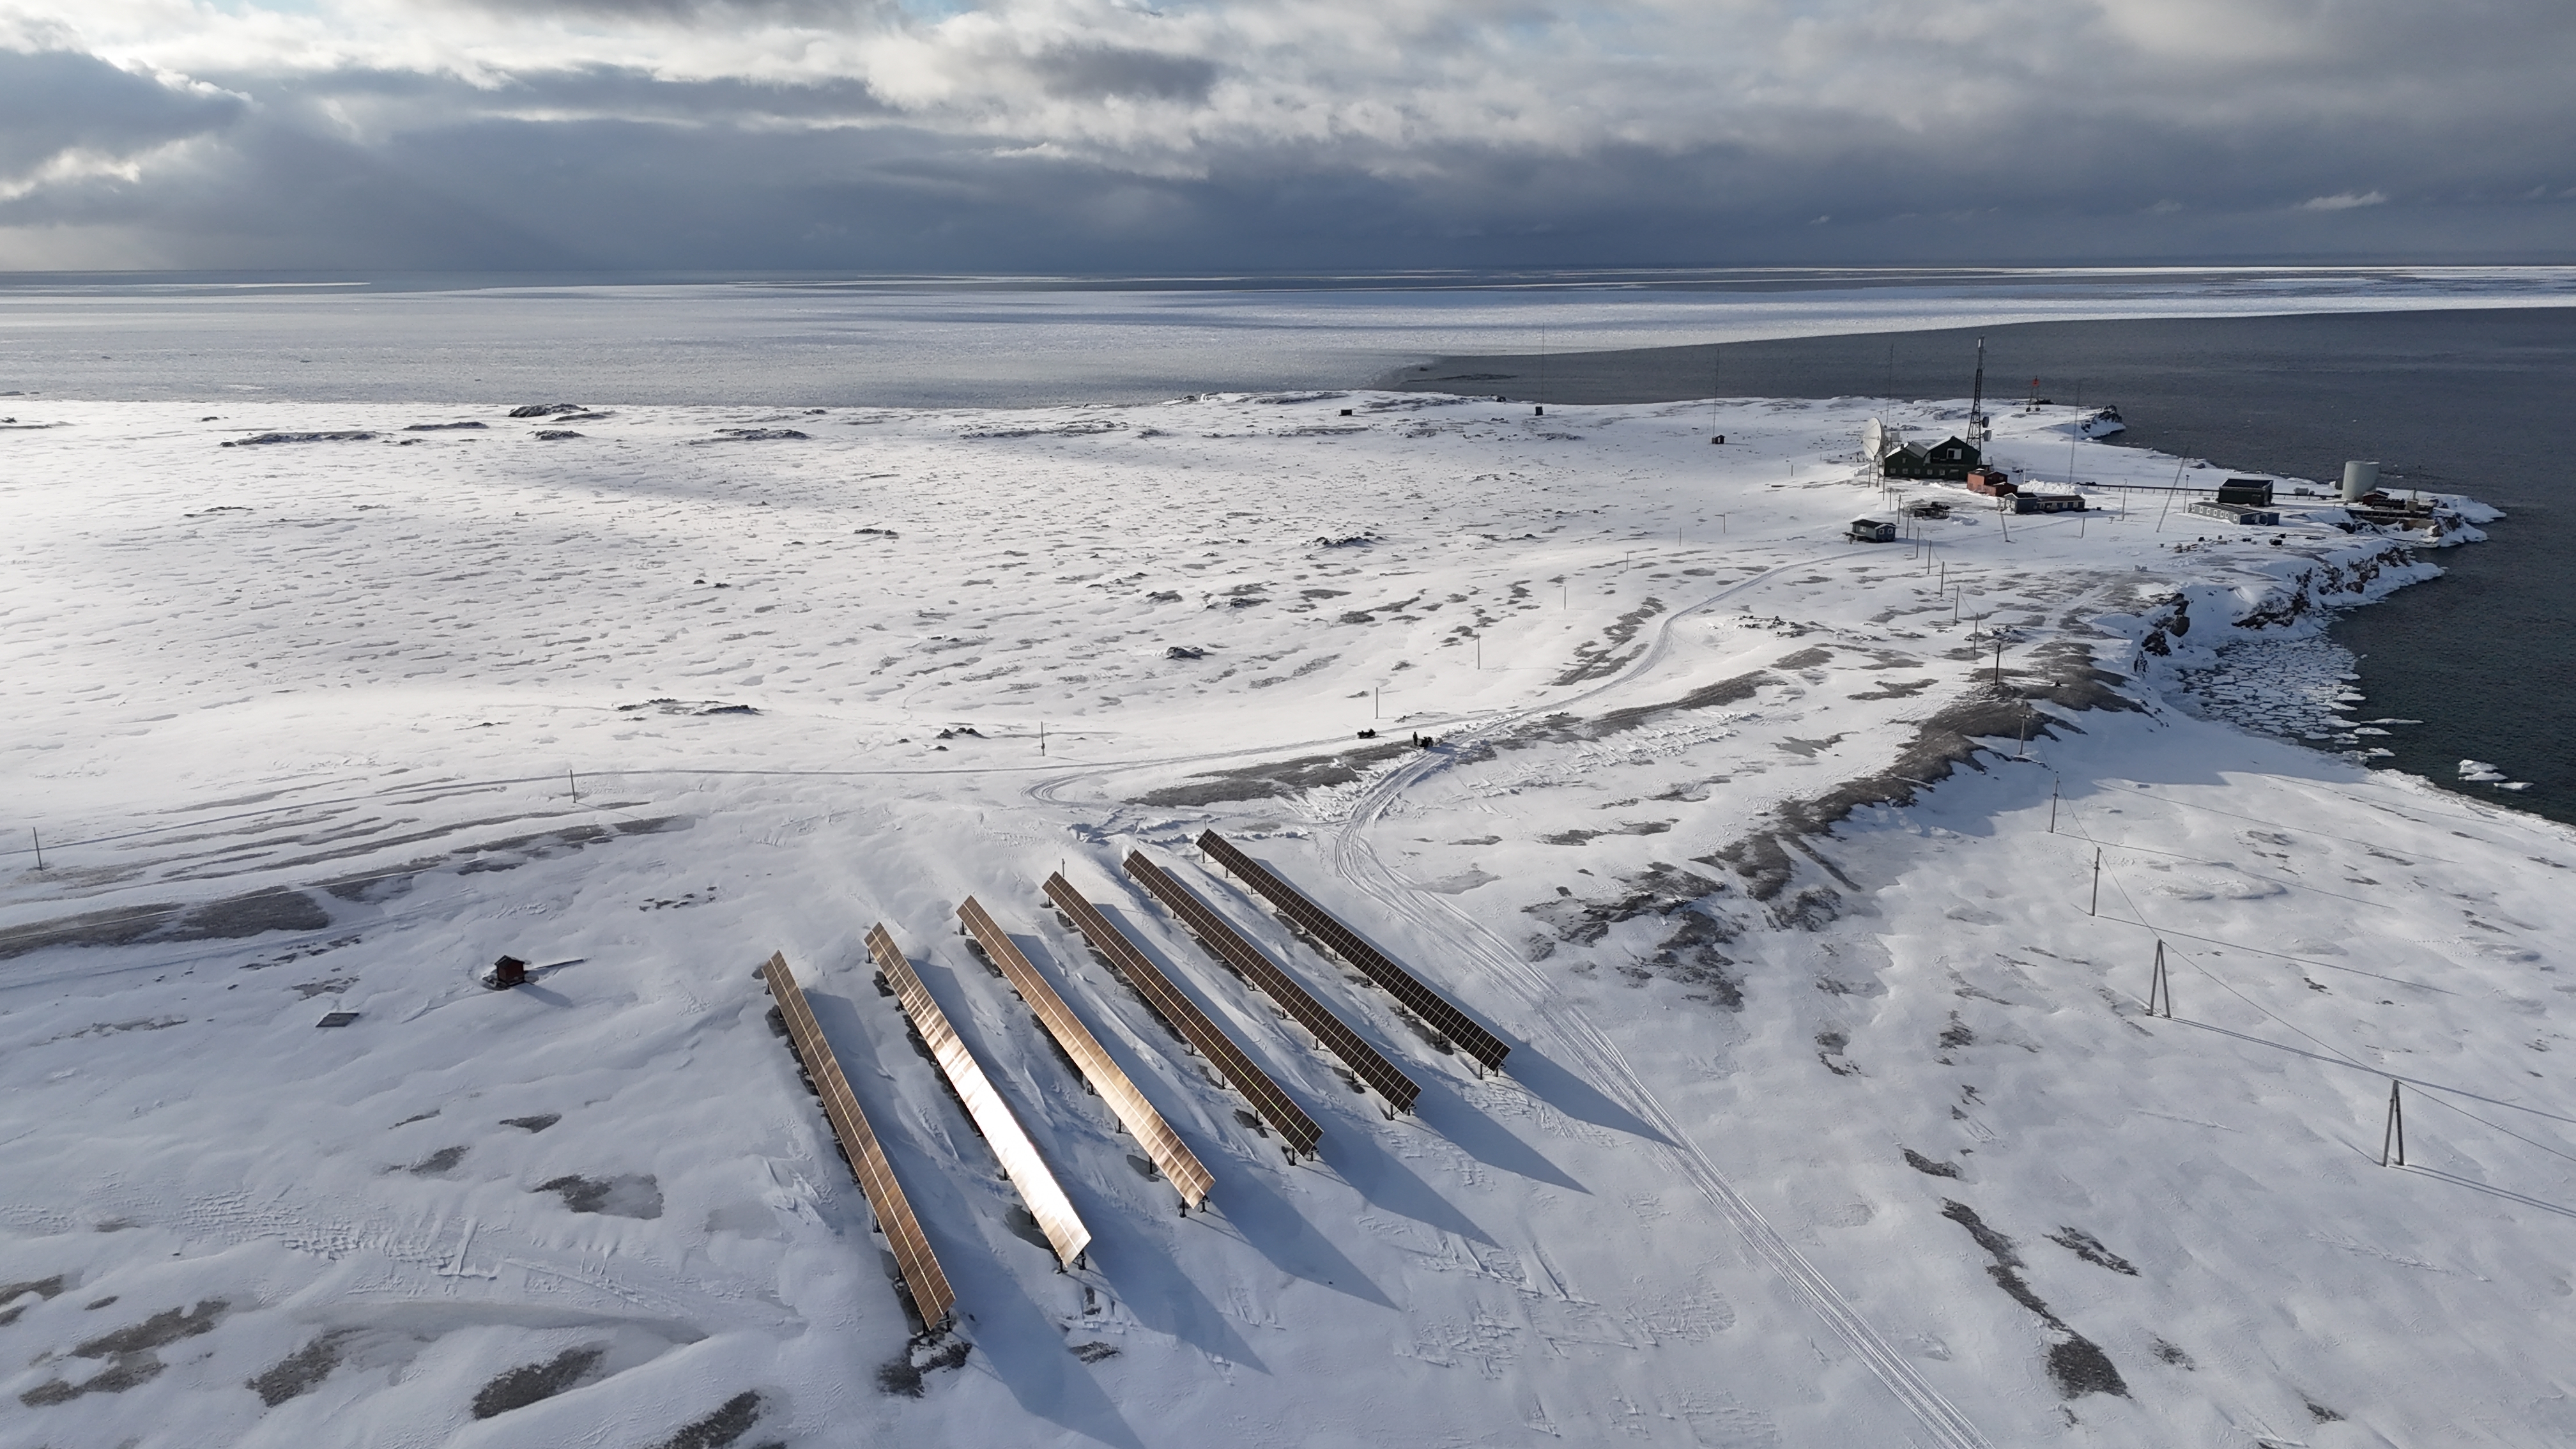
x,y
1873,439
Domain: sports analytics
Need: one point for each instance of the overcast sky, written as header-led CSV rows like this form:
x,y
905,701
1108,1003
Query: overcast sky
x,y
1217,135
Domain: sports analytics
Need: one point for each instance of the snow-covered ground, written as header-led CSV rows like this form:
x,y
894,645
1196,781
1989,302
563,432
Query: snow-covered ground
x,y
1835,1112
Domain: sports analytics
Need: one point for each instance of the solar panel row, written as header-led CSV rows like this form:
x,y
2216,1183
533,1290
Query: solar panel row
x,y
1224,943
922,1279
1180,1166
1183,1016
1020,1161
1435,1009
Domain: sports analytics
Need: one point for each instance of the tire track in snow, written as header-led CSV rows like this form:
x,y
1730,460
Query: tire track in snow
x,y
1357,861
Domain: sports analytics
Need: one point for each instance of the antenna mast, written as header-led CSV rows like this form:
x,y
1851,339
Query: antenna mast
x,y
1977,399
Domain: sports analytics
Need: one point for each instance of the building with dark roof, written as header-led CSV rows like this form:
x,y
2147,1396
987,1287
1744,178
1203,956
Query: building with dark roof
x,y
1947,461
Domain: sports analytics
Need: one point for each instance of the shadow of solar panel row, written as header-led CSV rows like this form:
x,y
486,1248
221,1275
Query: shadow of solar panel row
x,y
1182,1015
1435,1009
1002,1132
1221,941
922,1279
1180,1166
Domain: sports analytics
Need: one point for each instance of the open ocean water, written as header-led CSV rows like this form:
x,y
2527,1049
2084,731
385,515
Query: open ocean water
x,y
2455,378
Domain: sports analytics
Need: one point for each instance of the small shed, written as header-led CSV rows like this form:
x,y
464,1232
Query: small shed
x,y
2048,503
1992,482
2246,492
1872,530
2233,513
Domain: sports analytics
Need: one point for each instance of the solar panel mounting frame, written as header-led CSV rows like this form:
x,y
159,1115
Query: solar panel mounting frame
x,y
1298,1132
1222,941
1010,1143
923,1279
1180,1167
1442,1015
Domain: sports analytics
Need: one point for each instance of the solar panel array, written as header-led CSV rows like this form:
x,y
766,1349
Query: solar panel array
x,y
1224,943
1020,1161
922,1278
1435,1009
1183,1015
1169,1153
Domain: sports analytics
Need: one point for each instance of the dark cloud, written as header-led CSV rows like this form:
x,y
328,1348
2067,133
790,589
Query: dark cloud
x,y
1096,72
836,13
55,102
1052,135
418,100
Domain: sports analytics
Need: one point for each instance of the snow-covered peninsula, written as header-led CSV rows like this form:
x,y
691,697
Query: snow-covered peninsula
x,y
1818,887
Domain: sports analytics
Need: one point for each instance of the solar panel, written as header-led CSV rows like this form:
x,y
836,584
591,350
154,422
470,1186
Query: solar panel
x,y
1183,1016
1173,1156
1320,924
1222,942
1020,1161
931,1297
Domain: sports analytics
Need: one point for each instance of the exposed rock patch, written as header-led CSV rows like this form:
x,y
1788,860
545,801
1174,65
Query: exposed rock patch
x,y
529,1383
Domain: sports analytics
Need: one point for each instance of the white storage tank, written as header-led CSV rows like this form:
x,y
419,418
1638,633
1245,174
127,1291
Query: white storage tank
x,y
2358,480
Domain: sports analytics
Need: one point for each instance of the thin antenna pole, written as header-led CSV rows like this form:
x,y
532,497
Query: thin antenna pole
x,y
2052,807
1713,433
2169,493
2160,986
1977,399
40,846
575,784
2395,1136
2095,909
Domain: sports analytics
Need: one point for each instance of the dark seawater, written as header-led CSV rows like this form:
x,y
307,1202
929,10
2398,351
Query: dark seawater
x,y
2466,401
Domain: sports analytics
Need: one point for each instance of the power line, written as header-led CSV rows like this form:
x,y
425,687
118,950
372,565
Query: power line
x,y
2332,1054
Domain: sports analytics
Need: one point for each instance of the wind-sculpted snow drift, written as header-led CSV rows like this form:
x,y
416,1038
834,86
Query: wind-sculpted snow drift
x,y
1815,887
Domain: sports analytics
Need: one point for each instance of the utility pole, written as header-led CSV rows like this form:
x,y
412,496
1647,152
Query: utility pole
x,y
2095,909
2160,986
40,846
2395,1136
